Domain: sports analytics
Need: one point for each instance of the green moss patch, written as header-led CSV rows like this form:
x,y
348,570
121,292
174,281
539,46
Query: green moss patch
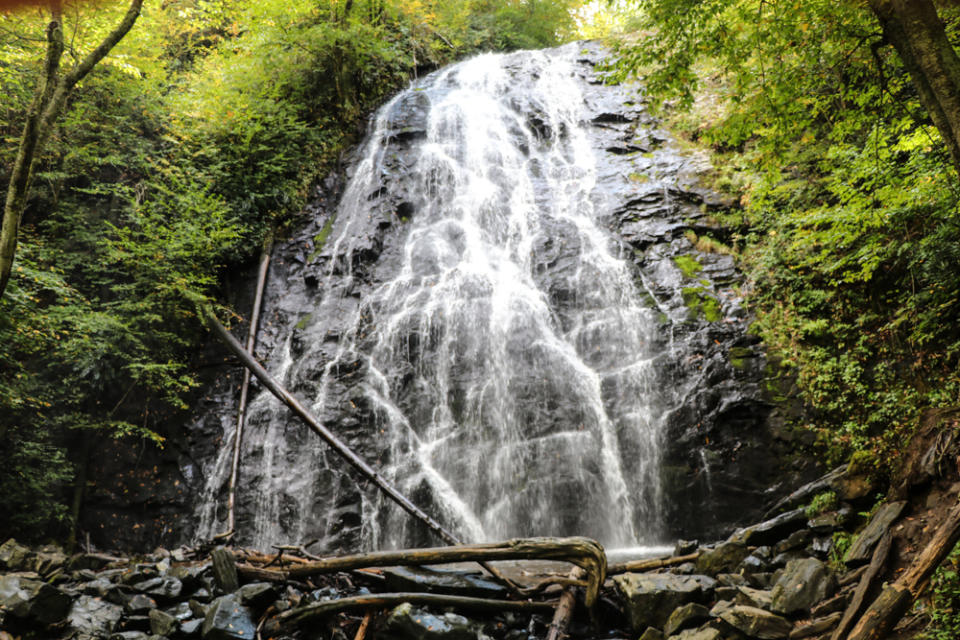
x,y
688,265
701,304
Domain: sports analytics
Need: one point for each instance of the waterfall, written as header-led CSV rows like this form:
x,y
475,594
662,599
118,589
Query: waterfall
x,y
473,326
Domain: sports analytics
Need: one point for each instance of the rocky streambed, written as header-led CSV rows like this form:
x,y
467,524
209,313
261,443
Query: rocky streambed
x,y
782,578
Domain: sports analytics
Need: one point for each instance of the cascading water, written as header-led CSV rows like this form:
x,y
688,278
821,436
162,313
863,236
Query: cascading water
x,y
472,326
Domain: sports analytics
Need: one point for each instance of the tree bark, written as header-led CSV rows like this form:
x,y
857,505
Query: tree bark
x,y
51,95
894,601
582,552
915,30
245,385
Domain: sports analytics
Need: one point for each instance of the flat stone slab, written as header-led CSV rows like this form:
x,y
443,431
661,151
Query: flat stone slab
x,y
862,547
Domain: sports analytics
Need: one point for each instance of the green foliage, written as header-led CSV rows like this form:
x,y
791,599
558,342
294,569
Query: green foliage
x,y
944,600
821,503
848,223
841,544
688,265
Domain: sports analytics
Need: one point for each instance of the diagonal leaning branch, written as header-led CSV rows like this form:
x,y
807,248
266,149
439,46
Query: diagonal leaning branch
x,y
335,443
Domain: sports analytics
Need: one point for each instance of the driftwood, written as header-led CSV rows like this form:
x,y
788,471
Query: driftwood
x,y
895,600
867,584
364,625
649,565
302,615
345,452
564,612
583,552
245,385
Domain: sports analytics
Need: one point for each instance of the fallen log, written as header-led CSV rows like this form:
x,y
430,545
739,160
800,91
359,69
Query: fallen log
x,y
582,552
649,565
867,583
345,452
245,384
302,615
564,612
895,600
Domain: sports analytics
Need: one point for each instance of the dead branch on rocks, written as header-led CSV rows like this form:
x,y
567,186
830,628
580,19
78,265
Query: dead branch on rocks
x,y
303,615
634,566
896,598
582,552
867,584
564,612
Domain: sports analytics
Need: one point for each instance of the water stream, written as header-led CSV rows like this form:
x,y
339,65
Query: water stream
x,y
474,329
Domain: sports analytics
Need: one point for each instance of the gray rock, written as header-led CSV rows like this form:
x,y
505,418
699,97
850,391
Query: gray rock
x,y
830,521
771,531
688,616
162,623
189,628
754,622
49,562
803,584
862,547
652,634
412,623
796,540
820,547
784,558
140,603
758,598
705,633
726,593
228,619
685,547
129,635
33,599
181,611
724,558
257,594
753,564
14,556
93,616
166,588
731,579
652,597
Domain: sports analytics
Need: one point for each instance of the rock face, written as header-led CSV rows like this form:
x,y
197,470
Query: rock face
x,y
719,445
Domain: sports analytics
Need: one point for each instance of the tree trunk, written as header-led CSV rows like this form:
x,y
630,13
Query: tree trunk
x,y
915,30
53,89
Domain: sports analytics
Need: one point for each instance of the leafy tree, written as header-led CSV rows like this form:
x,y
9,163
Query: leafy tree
x,y
53,89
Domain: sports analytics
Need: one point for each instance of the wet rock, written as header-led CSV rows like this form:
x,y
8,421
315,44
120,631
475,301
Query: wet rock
x,y
161,588
224,570
140,603
782,559
162,623
771,531
190,576
731,579
725,557
753,622
14,556
862,547
685,547
652,634
228,619
685,617
412,623
49,561
33,600
753,564
257,595
93,616
820,547
706,633
830,521
796,540
448,581
190,628
803,584
651,598
758,598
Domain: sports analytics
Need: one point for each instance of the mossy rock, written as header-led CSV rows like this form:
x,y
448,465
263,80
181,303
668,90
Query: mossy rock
x,y
701,304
